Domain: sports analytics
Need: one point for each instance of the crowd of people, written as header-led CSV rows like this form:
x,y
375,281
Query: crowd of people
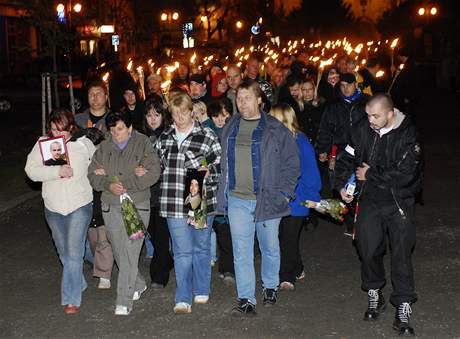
x,y
265,145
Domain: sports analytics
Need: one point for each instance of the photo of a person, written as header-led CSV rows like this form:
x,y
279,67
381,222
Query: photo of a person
x,y
194,200
56,155
54,152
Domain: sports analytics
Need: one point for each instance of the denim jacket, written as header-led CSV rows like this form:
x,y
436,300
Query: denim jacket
x,y
275,167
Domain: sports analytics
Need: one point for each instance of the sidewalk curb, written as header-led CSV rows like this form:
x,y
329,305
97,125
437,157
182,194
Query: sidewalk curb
x,y
18,200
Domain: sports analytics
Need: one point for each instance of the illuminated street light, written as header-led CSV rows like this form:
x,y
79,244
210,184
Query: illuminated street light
x,y
77,8
433,11
421,11
175,16
239,24
164,17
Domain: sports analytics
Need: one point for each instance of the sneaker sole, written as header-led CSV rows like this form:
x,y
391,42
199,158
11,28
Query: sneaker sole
x,y
200,302
182,311
139,294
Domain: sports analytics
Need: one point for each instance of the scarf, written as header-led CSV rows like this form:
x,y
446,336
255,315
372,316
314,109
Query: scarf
x,y
353,97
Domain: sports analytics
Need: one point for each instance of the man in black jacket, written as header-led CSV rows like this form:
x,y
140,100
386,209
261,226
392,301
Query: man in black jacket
x,y
334,129
384,154
340,116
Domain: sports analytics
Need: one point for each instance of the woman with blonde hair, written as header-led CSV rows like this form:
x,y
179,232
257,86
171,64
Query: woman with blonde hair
x,y
308,187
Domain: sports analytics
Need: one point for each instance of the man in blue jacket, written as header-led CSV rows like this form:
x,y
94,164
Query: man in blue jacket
x,y
260,168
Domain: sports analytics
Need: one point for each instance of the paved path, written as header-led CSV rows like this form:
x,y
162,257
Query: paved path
x,y
328,304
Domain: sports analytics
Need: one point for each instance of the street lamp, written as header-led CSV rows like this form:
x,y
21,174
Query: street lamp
x,y
427,11
60,8
77,8
170,17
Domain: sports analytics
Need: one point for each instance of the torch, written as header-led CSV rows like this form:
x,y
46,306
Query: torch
x,y
393,45
165,90
140,73
105,78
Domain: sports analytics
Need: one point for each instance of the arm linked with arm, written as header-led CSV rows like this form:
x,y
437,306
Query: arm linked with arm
x,y
151,163
98,182
213,158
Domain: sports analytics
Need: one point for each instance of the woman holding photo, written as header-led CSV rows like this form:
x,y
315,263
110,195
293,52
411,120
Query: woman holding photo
x,y
68,198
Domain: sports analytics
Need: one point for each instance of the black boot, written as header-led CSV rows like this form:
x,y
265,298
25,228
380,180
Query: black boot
x,y
401,323
376,304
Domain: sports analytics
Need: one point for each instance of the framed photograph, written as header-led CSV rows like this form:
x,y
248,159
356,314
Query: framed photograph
x,y
195,199
54,151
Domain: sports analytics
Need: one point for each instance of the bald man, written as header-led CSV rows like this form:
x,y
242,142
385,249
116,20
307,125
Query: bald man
x,y
384,155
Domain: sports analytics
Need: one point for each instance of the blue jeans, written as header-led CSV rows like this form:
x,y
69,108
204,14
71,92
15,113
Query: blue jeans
x,y
243,227
69,235
192,258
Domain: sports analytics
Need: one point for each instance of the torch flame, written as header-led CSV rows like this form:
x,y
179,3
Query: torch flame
x,y
165,84
380,74
105,77
394,43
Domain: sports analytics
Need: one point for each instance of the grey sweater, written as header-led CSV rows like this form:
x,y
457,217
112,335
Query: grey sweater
x,y
121,163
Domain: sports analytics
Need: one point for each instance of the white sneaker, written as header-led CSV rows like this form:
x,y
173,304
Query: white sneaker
x,y
137,294
201,299
182,308
122,310
104,284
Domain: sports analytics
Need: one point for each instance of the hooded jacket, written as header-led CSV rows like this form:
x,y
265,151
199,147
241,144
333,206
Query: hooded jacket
x,y
394,157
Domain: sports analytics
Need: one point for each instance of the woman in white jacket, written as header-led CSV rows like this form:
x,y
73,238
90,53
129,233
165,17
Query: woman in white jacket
x,y
68,198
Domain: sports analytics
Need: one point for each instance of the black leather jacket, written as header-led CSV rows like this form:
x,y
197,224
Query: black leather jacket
x,y
395,160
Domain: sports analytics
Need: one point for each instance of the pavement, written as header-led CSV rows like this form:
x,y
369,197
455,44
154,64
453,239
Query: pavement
x,y
328,304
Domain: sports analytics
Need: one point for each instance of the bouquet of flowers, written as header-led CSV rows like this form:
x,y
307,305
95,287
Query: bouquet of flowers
x,y
332,207
133,223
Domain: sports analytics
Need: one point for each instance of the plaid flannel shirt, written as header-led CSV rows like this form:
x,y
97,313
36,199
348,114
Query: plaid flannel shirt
x,y
200,144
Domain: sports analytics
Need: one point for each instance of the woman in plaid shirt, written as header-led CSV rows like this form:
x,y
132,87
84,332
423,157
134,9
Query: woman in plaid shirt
x,y
186,145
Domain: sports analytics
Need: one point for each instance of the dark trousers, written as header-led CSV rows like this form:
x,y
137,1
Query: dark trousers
x,y
162,261
224,243
376,221
289,236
